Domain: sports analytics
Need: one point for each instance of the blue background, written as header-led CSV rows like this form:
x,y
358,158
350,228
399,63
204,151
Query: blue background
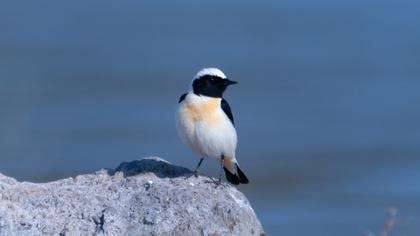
x,y
327,105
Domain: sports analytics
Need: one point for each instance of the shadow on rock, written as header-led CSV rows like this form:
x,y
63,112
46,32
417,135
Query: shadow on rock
x,y
159,167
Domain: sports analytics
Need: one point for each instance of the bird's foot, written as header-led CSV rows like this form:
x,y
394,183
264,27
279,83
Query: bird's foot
x,y
219,182
194,173
216,182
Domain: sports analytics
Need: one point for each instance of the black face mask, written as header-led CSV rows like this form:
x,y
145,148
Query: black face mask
x,y
211,86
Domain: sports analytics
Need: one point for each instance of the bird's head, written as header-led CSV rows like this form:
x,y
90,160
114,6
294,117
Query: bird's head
x,y
211,82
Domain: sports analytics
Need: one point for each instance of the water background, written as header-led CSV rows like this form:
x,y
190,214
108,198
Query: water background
x,y
327,107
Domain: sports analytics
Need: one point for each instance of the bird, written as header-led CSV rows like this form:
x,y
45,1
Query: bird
x,y
205,123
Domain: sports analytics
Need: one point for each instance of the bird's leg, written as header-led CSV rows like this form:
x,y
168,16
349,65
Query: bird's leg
x,y
195,172
222,163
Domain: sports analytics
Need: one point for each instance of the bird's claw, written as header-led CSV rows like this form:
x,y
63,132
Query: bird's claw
x,y
194,173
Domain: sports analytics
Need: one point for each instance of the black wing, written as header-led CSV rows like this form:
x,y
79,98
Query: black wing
x,y
182,97
226,108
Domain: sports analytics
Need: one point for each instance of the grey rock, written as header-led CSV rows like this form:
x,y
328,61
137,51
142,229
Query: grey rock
x,y
144,197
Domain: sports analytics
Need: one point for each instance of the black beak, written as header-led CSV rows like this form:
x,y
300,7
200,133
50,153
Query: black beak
x,y
230,82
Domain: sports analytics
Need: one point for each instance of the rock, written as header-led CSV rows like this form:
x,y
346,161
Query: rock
x,y
145,197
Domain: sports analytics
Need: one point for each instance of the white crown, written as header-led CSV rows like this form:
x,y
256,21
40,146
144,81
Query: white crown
x,y
210,71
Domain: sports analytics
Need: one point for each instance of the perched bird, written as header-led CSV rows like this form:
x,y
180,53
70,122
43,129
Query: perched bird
x,y
205,123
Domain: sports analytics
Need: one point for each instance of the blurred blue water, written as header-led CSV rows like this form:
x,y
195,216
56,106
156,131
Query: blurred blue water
x,y
327,109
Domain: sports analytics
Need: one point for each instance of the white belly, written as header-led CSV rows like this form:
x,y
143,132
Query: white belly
x,y
208,136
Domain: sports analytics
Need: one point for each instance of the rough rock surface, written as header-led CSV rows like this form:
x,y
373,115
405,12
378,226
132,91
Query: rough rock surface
x,y
145,197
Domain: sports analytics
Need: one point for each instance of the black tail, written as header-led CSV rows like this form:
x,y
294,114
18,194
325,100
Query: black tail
x,y
237,178
242,177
